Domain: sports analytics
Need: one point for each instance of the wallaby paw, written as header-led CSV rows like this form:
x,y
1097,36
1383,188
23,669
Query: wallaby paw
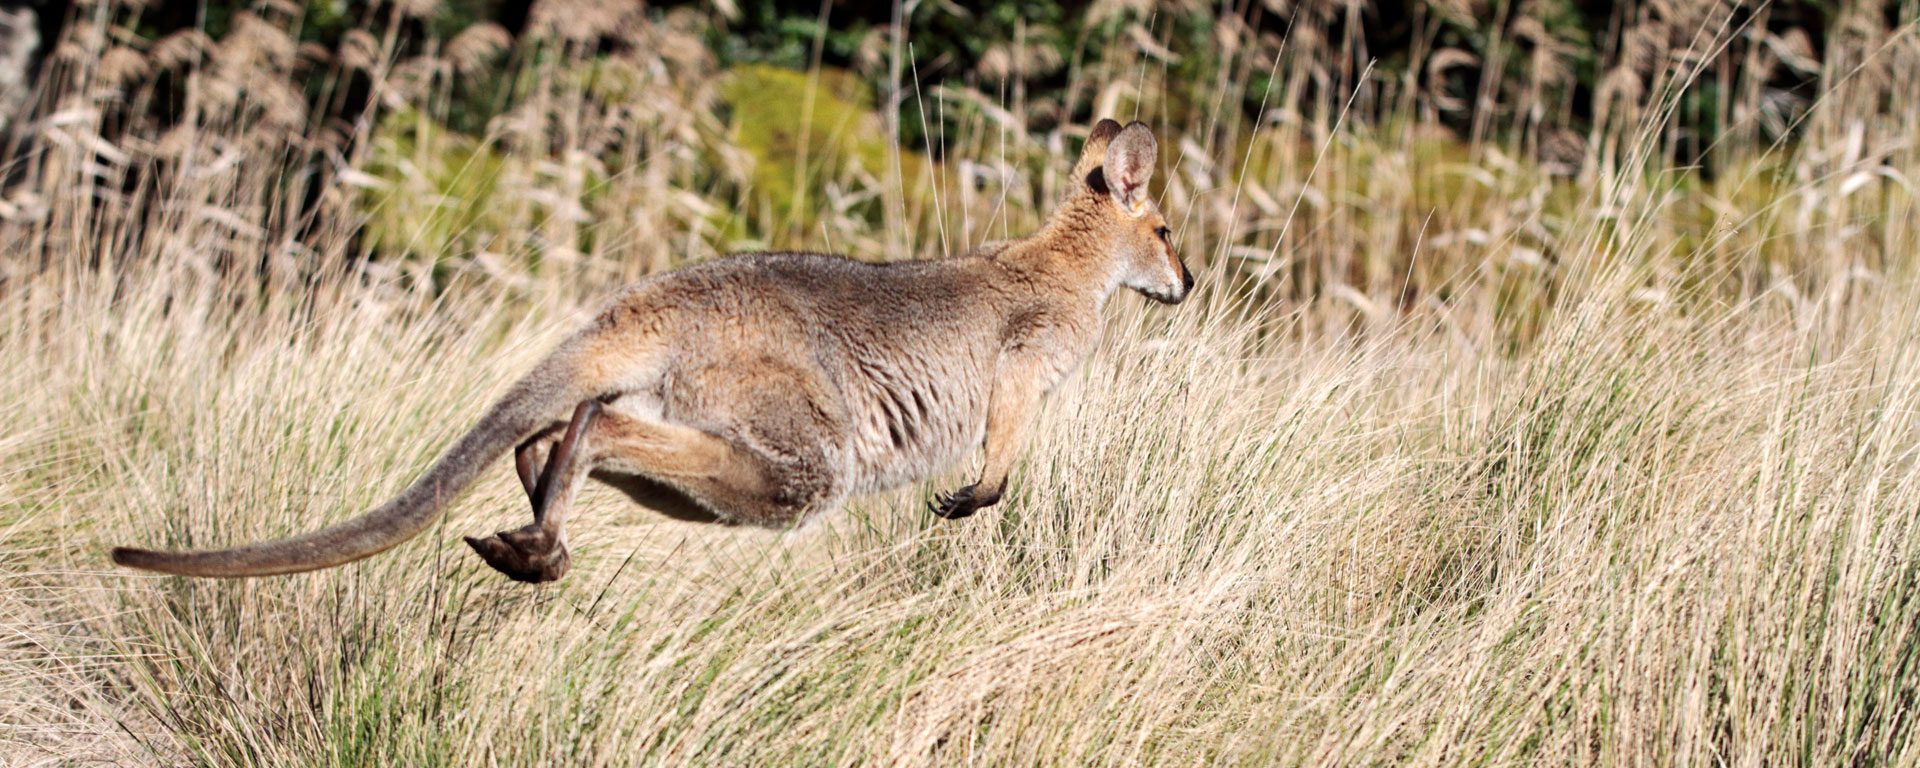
x,y
527,554
956,505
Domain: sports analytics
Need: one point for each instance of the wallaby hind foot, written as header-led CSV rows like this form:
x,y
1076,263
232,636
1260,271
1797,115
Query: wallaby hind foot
x,y
537,552
528,554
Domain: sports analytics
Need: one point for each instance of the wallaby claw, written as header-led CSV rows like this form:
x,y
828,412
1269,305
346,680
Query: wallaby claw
x,y
527,554
956,505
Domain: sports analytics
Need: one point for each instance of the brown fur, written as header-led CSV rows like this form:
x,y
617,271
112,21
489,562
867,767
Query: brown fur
x,y
767,388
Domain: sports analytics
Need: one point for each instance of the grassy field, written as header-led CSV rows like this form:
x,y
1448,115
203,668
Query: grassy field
x,y
1453,459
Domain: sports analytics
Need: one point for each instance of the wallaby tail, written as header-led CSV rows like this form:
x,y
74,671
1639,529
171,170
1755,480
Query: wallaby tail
x,y
529,406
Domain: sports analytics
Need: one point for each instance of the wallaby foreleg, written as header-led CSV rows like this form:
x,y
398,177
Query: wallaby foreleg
x,y
1017,389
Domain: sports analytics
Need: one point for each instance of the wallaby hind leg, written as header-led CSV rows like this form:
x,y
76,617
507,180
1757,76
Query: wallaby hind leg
x,y
526,464
537,552
735,482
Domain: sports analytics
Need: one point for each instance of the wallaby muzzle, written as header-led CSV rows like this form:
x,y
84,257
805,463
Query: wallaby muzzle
x,y
1170,299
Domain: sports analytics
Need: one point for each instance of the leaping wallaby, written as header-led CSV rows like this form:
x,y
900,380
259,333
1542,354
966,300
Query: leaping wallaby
x,y
767,388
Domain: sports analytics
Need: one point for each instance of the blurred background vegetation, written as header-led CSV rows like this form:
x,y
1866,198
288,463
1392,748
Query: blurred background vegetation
x,y
498,136
1530,68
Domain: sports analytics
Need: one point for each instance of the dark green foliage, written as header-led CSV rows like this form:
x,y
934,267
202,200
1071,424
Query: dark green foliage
x,y
1531,64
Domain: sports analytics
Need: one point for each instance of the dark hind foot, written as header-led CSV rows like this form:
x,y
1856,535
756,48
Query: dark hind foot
x,y
528,554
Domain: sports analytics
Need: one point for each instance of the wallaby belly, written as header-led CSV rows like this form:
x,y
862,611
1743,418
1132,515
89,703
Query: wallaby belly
x,y
911,421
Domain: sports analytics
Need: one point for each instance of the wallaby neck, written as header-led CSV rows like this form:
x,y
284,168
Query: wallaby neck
x,y
1070,257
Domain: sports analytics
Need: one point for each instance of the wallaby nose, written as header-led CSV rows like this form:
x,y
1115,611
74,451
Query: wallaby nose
x,y
1186,279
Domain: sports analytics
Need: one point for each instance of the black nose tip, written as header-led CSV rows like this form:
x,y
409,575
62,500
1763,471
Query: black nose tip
x,y
1186,277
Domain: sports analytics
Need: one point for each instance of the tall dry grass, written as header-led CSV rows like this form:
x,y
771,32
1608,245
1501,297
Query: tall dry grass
x,y
1451,461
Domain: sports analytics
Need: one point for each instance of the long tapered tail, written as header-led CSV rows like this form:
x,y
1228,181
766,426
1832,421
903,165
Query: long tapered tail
x,y
529,407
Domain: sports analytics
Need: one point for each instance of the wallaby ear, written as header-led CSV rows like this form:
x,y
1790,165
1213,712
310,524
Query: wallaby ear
x,y
1093,154
1129,165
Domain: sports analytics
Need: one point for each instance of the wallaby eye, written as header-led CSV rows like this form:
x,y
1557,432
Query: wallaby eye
x,y
1163,232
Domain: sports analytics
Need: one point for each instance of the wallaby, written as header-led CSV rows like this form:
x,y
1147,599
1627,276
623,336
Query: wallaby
x,y
767,388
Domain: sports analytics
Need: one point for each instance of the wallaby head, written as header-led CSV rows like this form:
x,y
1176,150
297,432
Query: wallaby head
x,y
1109,192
